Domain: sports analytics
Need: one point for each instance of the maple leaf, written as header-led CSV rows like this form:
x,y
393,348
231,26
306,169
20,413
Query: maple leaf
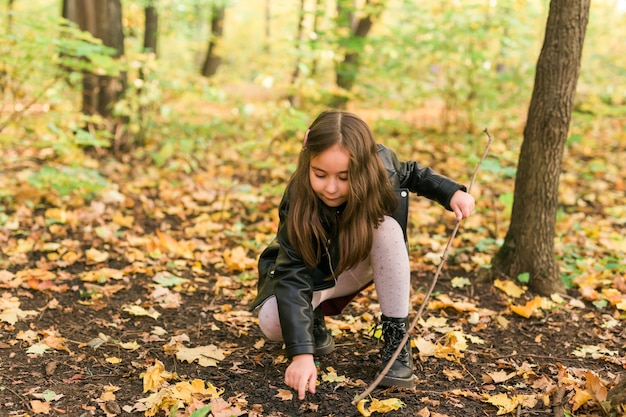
x,y
205,355
331,376
186,390
284,394
155,376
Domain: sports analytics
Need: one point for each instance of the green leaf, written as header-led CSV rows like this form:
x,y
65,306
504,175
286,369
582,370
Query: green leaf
x,y
201,412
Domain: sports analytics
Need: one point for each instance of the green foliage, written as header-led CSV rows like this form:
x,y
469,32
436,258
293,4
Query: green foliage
x,y
66,180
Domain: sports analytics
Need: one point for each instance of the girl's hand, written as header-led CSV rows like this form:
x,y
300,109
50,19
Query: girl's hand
x,y
462,204
301,374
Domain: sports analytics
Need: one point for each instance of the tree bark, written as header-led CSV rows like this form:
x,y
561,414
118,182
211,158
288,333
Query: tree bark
x,y
358,28
213,59
103,19
529,244
296,67
150,34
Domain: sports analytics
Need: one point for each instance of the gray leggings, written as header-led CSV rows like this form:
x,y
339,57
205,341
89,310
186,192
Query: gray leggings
x,y
387,265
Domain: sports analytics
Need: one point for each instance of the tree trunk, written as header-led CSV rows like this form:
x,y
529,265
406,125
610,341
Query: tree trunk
x,y
10,16
296,67
151,29
346,70
268,32
529,244
103,19
213,59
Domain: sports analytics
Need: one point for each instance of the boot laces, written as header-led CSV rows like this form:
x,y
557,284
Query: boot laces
x,y
393,333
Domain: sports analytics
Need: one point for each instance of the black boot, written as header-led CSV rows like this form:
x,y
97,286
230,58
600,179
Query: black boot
x,y
324,343
401,372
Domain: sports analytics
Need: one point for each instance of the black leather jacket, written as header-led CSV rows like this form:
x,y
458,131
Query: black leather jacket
x,y
283,273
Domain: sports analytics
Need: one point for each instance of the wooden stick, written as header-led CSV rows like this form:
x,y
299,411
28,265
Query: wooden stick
x,y
444,257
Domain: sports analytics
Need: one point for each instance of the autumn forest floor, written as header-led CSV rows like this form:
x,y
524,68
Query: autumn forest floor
x,y
135,302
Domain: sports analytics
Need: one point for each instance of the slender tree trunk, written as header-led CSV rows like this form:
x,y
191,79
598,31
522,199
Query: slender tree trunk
x,y
10,16
316,15
150,34
346,70
213,59
529,243
296,67
268,31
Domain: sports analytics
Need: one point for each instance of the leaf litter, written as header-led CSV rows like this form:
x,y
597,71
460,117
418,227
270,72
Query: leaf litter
x,y
137,302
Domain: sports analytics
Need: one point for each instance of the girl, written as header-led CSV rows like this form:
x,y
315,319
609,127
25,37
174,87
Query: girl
x,y
336,236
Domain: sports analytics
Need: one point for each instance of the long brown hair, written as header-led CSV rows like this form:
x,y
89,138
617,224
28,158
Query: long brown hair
x,y
370,195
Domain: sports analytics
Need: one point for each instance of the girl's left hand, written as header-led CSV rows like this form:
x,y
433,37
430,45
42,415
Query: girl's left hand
x,y
462,204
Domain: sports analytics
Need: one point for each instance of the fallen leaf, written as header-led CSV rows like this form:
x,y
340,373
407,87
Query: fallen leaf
x,y
284,394
136,310
205,355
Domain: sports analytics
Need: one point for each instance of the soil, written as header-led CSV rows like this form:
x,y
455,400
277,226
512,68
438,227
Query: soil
x,y
251,373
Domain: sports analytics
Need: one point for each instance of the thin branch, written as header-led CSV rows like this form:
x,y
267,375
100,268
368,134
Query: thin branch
x,y
444,257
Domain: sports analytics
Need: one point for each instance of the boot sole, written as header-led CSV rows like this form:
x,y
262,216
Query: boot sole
x,y
397,382
326,349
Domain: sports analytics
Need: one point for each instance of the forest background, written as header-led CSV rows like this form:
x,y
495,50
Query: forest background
x,y
180,178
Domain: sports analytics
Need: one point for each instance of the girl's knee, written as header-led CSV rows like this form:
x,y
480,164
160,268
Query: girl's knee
x,y
269,321
271,329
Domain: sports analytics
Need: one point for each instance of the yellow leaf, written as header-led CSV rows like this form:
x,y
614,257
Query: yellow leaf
x,y
332,376
96,256
385,406
114,360
460,282
509,288
136,310
237,259
102,275
580,398
155,376
425,347
361,407
503,402
186,390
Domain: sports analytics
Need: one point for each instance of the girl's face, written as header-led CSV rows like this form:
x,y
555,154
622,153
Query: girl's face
x,y
328,173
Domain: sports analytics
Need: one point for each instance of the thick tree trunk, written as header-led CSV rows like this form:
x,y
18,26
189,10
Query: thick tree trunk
x,y
213,59
103,19
529,243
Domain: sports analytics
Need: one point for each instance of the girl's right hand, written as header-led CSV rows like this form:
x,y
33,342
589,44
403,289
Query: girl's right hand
x,y
302,374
